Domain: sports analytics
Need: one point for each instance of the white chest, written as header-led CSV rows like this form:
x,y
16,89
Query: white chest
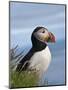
x,y
41,60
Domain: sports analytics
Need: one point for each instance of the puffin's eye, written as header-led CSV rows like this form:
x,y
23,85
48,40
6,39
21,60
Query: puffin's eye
x,y
43,31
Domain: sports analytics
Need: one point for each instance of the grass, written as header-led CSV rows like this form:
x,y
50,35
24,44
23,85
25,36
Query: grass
x,y
23,79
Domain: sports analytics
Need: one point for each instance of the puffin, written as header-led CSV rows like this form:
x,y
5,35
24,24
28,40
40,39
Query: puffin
x,y
39,56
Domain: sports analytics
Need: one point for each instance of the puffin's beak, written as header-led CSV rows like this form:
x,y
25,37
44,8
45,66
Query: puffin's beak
x,y
51,38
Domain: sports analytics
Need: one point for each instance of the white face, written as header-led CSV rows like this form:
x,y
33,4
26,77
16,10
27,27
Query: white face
x,y
42,34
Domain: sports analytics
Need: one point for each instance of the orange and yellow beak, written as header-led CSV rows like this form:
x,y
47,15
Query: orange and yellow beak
x,y
51,38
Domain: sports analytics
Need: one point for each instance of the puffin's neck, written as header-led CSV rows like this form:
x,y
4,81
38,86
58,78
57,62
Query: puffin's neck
x,y
38,45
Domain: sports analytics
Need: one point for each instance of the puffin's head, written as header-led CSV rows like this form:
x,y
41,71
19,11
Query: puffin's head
x,y
43,35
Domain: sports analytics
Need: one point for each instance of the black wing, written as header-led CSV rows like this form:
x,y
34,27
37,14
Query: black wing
x,y
24,63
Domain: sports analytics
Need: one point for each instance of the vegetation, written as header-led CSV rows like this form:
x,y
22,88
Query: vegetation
x,y
20,79
23,79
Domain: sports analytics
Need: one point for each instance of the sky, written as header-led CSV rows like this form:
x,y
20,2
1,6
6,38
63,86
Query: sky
x,y
25,17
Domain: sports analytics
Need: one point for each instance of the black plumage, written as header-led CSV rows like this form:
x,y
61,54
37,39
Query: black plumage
x,y
37,45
